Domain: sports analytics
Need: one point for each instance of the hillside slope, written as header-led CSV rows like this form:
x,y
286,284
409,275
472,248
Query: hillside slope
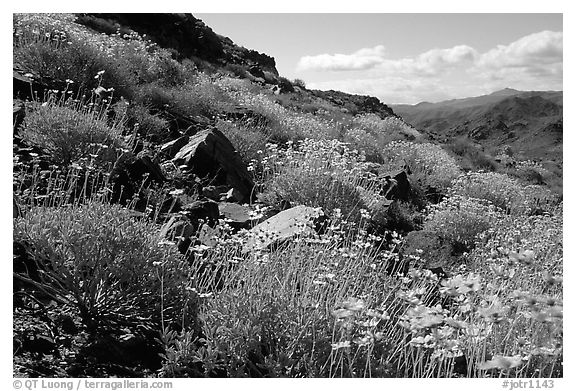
x,y
530,122
181,210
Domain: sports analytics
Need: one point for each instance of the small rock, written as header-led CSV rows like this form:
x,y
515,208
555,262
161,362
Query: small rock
x,y
236,215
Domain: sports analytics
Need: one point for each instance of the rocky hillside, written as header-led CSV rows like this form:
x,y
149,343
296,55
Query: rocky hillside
x,y
181,210
530,122
186,35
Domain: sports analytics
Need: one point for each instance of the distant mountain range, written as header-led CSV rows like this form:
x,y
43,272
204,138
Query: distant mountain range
x,y
529,121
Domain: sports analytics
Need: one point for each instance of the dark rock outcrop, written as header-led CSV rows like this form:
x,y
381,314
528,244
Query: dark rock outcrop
x,y
188,36
397,186
132,172
210,154
356,104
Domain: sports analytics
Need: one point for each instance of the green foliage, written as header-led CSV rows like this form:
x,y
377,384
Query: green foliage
x,y
299,83
200,96
149,125
127,60
433,169
370,133
295,329
504,192
237,70
250,141
471,157
283,124
70,130
110,265
323,174
341,302
458,220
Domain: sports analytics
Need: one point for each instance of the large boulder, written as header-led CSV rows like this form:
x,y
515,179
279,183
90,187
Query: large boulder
x,y
171,148
210,154
299,220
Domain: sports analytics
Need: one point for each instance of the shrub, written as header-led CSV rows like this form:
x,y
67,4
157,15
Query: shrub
x,y
283,124
197,97
503,192
69,131
249,141
314,294
321,173
147,124
42,41
370,133
432,168
299,83
472,158
127,60
108,264
458,220
237,70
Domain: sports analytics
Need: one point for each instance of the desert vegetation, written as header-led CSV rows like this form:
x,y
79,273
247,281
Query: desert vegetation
x,y
336,244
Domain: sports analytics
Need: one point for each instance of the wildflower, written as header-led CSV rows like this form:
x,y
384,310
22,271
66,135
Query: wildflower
x,y
365,340
166,243
341,345
550,279
496,313
544,351
458,324
501,362
524,257
353,304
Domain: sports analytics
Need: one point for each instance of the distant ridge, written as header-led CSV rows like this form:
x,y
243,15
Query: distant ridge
x,y
529,121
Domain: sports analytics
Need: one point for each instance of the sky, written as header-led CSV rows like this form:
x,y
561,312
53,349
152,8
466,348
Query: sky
x,y
406,58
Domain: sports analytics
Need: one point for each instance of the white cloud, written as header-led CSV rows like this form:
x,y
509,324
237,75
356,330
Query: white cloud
x,y
429,63
533,62
530,51
362,59
437,58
